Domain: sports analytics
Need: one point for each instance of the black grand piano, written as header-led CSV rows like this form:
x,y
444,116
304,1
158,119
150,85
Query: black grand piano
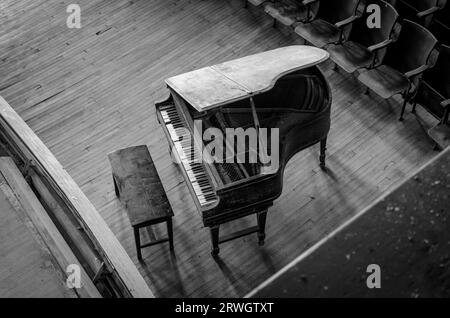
x,y
282,89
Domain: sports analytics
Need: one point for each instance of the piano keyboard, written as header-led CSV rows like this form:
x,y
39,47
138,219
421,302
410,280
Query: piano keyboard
x,y
185,148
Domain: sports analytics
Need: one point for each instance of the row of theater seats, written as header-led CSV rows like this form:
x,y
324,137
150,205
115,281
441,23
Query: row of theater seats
x,y
394,56
433,14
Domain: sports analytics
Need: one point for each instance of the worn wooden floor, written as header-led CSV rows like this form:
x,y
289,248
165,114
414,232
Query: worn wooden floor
x,y
90,91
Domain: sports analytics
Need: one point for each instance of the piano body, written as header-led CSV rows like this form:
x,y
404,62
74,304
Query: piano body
x,y
281,88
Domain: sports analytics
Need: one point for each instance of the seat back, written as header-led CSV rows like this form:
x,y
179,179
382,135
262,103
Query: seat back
x,y
412,48
435,85
362,34
333,11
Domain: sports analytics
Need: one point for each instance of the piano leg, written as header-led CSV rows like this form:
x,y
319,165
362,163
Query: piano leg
x,y
323,149
261,218
170,232
137,239
215,240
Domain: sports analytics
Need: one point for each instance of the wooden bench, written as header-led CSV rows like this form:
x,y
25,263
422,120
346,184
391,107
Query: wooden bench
x,y
139,188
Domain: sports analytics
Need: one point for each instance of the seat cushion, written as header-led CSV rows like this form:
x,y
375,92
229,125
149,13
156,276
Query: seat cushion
x,y
385,81
286,12
318,32
350,56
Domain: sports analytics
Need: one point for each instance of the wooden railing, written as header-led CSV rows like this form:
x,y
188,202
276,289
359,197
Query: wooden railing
x,y
98,251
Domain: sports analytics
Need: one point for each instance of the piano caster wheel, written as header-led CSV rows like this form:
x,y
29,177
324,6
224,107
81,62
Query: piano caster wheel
x,y
215,252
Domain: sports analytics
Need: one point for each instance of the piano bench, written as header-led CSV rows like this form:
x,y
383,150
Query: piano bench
x,y
139,188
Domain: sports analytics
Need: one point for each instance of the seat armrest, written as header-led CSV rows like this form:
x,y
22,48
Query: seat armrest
x,y
427,12
308,2
347,21
417,71
380,45
445,103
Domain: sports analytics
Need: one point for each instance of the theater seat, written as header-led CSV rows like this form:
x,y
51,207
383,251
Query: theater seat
x,y
360,49
330,22
287,12
386,81
405,59
433,94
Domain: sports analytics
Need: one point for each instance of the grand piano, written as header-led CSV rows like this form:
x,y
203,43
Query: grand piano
x,y
281,89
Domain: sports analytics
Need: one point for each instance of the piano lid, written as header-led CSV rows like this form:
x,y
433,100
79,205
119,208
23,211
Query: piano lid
x,y
221,84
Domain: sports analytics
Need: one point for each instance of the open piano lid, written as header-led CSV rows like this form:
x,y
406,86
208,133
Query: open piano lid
x,y
224,83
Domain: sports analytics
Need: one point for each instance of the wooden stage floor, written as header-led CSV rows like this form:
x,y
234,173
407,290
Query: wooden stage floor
x,y
90,91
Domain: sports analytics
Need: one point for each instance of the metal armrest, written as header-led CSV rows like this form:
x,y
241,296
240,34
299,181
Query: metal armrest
x,y
417,71
427,12
308,2
380,45
445,103
347,21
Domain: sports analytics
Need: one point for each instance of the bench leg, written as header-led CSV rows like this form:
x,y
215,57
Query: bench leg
x,y
261,218
323,149
170,232
137,239
215,240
